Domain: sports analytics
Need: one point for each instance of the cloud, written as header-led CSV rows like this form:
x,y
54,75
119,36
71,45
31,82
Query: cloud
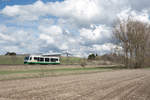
x,y
79,11
53,30
3,28
142,16
75,25
139,5
6,38
47,38
96,34
11,11
104,48
54,35
26,12
18,40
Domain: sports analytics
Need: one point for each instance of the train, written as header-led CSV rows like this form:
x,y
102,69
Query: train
x,y
42,59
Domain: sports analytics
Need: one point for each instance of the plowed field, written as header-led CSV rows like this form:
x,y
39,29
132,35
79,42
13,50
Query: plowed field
x,y
110,85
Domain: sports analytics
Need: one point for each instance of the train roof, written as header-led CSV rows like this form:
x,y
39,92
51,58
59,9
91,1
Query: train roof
x,y
46,55
52,54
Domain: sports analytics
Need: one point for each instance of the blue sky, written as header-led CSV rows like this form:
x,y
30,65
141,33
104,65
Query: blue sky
x,y
4,3
78,26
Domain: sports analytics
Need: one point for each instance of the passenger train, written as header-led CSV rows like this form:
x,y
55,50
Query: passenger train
x,y
42,59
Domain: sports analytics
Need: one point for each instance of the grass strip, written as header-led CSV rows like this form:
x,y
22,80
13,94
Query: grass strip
x,y
52,75
6,72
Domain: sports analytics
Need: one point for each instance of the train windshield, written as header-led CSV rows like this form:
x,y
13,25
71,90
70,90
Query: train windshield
x,y
26,58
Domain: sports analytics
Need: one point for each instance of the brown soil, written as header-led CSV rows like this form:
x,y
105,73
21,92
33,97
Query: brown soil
x,y
112,85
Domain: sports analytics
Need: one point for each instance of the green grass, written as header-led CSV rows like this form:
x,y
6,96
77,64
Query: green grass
x,y
19,60
14,74
70,60
12,60
40,73
6,72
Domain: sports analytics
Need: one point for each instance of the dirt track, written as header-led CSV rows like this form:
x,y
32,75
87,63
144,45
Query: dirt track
x,y
114,85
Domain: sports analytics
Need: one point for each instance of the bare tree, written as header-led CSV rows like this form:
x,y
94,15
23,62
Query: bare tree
x,y
132,35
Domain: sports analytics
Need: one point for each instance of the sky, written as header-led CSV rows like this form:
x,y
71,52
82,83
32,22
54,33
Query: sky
x,y
78,26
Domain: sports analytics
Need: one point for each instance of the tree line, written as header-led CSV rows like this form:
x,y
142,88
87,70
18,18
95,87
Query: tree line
x,y
133,38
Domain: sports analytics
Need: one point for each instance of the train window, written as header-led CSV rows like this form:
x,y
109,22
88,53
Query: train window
x,y
30,58
54,59
35,58
46,59
41,59
38,59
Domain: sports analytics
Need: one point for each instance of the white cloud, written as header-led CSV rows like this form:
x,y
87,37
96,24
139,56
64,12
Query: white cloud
x,y
57,37
46,37
79,11
140,16
6,37
74,25
95,33
11,49
19,41
3,28
82,12
11,11
104,47
53,30
25,12
64,46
